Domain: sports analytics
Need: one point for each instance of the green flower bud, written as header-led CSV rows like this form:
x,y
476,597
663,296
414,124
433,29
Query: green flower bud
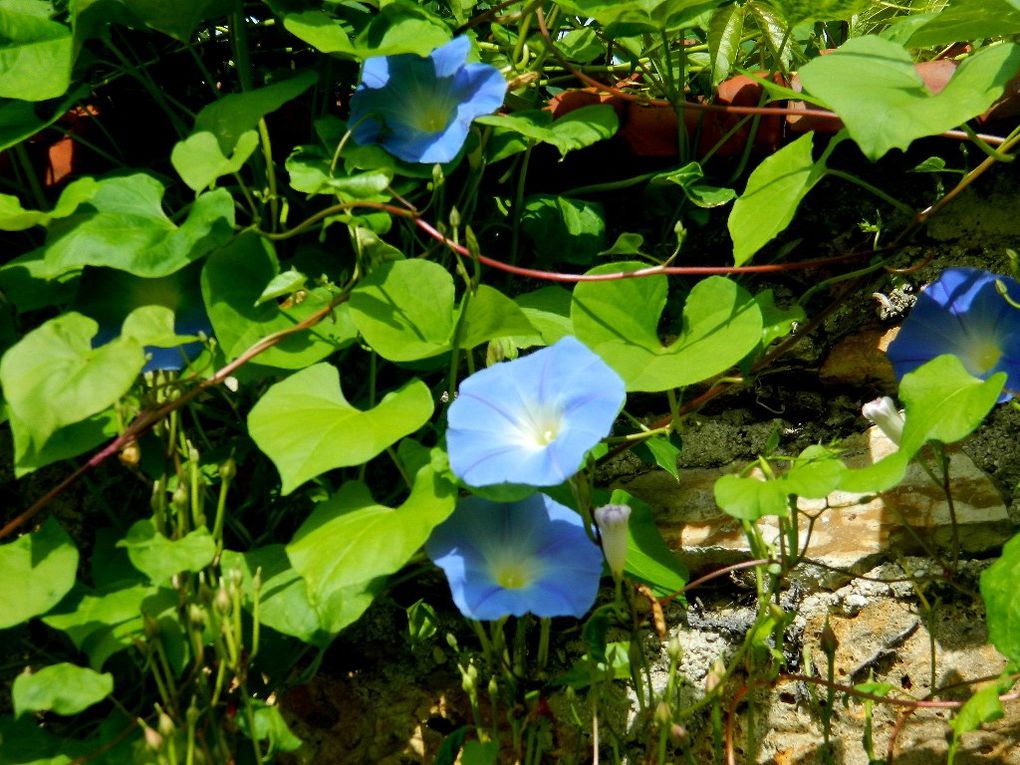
x,y
166,725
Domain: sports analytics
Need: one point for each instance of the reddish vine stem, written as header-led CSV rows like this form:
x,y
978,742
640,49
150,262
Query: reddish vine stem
x,y
902,718
558,276
145,420
714,575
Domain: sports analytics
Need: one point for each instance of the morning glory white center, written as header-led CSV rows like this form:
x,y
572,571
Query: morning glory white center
x,y
512,573
982,357
540,428
432,108
433,118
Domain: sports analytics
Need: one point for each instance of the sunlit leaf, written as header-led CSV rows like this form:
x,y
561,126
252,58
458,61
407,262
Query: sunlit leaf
x,y
799,11
306,426
64,688
124,227
35,53
159,558
575,130
1002,606
350,543
103,623
619,321
404,309
774,191
967,20
200,160
36,571
871,83
53,377
724,37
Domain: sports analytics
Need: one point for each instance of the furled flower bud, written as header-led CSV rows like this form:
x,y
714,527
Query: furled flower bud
x,y
827,640
883,413
612,522
674,649
166,725
152,739
663,716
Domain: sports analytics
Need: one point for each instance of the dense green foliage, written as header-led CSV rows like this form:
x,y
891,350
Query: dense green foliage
x,y
292,468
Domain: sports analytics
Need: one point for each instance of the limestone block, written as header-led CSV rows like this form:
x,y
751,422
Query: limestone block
x,y
850,531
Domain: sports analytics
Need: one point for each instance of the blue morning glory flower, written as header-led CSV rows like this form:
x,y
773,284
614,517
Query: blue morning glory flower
x,y
531,556
532,420
962,314
420,109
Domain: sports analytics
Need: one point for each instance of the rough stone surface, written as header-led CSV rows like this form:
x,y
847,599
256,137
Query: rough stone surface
x,y
851,532
881,636
859,359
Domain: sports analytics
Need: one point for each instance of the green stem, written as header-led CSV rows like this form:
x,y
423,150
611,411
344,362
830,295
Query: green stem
x,y
624,183
992,152
30,178
204,71
947,489
267,154
254,739
239,40
479,631
520,56
515,236
221,506
674,409
545,627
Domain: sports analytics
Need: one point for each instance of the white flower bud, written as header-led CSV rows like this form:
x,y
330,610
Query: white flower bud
x,y
883,413
612,522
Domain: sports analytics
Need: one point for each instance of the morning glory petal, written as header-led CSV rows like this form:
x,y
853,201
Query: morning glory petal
x,y
421,109
531,556
962,314
376,72
532,420
449,59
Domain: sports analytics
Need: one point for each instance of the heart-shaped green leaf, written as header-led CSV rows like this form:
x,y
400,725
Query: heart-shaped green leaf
x,y
871,83
159,558
350,542
64,688
619,320
306,426
53,377
36,571
35,53
124,227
